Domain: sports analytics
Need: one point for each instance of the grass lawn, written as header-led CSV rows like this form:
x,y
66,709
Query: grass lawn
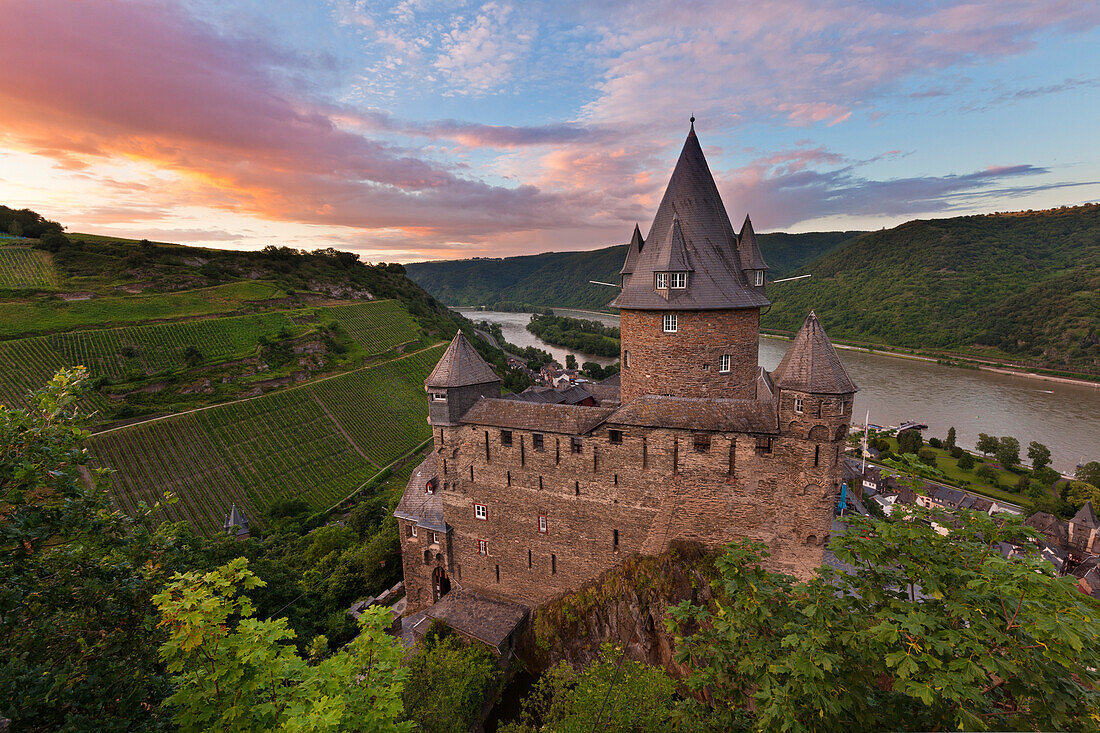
x,y
956,476
31,317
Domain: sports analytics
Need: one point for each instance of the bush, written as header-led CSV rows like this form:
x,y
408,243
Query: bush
x,y
966,461
957,452
935,443
1023,484
448,683
927,455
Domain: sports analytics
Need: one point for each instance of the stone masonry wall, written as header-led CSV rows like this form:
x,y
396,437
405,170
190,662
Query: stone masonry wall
x,y
652,488
686,363
419,573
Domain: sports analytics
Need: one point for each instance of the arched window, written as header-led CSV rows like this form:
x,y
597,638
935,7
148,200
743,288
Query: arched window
x,y
819,432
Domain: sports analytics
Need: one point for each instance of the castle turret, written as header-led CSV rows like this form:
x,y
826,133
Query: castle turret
x,y
633,251
689,318
459,380
815,394
753,265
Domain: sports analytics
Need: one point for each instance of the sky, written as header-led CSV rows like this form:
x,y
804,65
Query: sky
x,y
418,130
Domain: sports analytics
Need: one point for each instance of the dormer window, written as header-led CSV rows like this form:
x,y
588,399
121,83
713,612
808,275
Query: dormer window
x,y
662,281
758,278
439,396
678,280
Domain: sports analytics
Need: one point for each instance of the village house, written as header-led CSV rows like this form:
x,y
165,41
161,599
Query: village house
x,y
523,500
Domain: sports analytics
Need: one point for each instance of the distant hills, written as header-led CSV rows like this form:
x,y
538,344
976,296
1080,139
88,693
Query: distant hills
x,y
562,278
1021,287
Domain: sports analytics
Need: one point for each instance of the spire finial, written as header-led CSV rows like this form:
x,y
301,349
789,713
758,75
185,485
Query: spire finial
x,y
693,123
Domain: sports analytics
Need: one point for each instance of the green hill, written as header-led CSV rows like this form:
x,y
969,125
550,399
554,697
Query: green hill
x,y
1022,286
562,278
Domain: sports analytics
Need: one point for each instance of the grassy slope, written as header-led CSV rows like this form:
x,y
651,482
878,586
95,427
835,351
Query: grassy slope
x,y
1023,286
312,442
561,278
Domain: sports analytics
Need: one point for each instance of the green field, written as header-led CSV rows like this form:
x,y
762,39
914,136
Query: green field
x,y
120,353
23,267
25,318
317,442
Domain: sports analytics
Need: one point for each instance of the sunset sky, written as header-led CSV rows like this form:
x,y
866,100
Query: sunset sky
x,y
422,130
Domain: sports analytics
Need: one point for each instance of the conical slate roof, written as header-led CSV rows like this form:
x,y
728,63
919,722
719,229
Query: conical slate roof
x,y
751,258
811,363
1085,516
710,245
460,366
235,522
632,251
674,258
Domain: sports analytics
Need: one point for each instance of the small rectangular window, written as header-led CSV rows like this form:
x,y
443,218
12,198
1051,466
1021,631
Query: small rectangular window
x,y
481,512
542,524
798,405
498,573
412,530
483,547
679,279
759,279
670,323
576,445
702,443
724,363
439,396
615,540
505,437
626,359
763,445
662,280
528,558
536,441
615,437
553,564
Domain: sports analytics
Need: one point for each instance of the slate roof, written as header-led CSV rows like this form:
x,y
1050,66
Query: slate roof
x,y
811,363
486,619
564,419
426,509
604,393
688,413
674,257
709,246
765,390
236,523
632,251
1049,525
751,257
460,366
572,395
1085,516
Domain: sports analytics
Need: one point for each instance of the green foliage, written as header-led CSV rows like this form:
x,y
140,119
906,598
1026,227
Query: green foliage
x,y
909,441
987,473
1090,473
234,672
24,222
927,455
1076,493
1008,452
590,337
949,442
928,632
1039,455
612,694
449,681
966,461
987,444
76,581
1033,276
561,279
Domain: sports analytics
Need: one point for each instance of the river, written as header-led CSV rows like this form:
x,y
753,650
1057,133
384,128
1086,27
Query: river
x,y
1064,417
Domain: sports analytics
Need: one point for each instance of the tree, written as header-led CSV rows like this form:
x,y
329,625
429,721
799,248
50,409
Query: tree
x,y
1023,484
987,444
927,455
570,361
619,695
1089,473
988,473
909,441
1008,452
1039,455
1079,492
448,684
949,442
76,579
192,356
926,632
966,461
232,671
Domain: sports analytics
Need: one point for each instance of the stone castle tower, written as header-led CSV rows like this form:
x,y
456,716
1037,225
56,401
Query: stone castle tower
x,y
522,501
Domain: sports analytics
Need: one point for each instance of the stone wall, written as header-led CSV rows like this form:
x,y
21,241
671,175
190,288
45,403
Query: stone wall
x,y
420,569
686,363
653,488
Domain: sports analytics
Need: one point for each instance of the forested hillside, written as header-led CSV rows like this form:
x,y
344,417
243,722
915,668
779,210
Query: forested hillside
x,y
562,278
1022,286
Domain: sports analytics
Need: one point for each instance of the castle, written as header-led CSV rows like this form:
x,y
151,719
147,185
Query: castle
x,y
521,501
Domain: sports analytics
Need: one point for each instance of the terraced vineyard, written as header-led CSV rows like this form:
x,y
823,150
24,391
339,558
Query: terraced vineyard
x,y
378,325
23,267
316,442
128,351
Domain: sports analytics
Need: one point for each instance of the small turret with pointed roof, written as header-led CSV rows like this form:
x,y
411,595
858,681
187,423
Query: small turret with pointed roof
x,y
752,261
633,251
1085,517
811,363
459,380
236,524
